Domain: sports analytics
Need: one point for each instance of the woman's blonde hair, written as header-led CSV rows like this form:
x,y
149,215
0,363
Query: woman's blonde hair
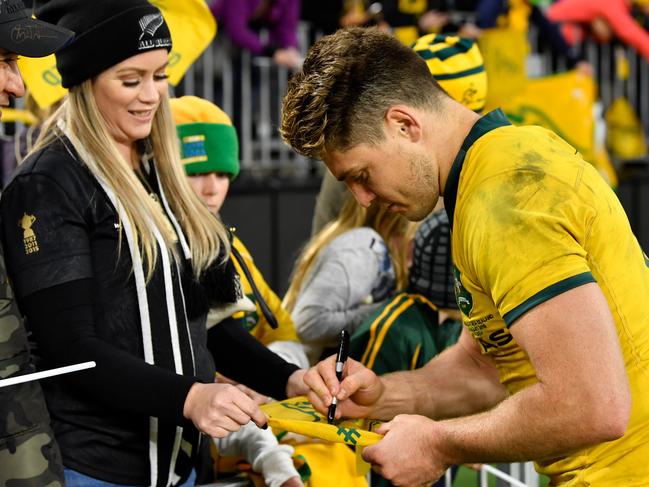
x,y
391,226
205,234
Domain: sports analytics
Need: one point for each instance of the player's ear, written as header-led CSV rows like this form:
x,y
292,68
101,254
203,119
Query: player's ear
x,y
403,121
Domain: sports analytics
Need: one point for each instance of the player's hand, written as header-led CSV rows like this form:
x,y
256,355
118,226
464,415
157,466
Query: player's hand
x,y
358,392
408,454
220,409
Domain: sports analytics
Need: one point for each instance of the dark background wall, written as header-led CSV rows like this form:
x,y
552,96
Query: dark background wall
x,y
273,220
273,217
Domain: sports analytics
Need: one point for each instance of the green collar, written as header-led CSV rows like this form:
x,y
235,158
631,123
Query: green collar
x,y
490,121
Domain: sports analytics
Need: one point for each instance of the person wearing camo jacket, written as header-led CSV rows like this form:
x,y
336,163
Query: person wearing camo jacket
x,y
29,455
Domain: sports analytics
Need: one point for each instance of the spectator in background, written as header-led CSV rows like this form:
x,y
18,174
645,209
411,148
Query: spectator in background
x,y
413,326
210,155
345,271
602,20
29,454
117,261
16,148
241,21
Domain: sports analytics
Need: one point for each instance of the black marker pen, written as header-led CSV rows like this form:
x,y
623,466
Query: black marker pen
x,y
341,358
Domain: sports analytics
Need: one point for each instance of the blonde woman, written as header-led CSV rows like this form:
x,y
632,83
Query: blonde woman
x,y
345,271
114,259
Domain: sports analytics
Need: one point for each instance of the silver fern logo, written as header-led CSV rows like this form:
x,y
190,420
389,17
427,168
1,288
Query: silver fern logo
x,y
150,24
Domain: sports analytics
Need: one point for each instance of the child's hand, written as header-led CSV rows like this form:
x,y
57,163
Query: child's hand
x,y
293,482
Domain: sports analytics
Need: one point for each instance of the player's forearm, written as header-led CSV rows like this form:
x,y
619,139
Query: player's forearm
x,y
535,423
452,384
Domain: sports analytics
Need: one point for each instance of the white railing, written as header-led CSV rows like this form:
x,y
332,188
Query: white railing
x,y
253,87
520,475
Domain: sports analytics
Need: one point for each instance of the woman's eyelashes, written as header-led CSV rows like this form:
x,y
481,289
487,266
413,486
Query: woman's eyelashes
x,y
132,83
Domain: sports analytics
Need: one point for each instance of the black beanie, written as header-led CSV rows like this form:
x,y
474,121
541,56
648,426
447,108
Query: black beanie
x,y
431,273
107,33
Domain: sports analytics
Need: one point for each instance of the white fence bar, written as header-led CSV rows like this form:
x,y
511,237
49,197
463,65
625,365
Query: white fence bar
x,y
258,86
448,478
246,110
488,469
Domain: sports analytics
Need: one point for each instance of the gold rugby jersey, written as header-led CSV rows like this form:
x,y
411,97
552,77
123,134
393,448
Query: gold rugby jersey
x,y
531,219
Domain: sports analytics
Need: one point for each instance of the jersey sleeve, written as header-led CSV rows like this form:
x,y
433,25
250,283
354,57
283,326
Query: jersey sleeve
x,y
45,236
524,232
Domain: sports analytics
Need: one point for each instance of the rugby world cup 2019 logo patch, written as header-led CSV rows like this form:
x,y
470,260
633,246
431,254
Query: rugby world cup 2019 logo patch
x,y
462,296
29,237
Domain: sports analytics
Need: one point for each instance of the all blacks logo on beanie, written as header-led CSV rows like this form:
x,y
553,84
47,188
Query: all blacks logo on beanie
x,y
150,25
108,32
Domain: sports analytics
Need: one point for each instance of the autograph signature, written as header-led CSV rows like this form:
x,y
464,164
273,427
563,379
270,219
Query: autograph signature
x,y
21,33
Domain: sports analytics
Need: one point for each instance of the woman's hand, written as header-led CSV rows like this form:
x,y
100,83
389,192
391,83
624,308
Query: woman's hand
x,y
295,385
220,409
251,393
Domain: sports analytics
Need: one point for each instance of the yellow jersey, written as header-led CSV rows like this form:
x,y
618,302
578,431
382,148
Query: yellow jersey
x,y
531,219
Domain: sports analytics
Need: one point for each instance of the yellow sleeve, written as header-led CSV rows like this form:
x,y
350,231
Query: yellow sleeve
x,y
262,331
524,232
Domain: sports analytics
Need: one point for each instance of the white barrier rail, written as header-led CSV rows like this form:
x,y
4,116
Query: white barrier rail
x,y
251,88
529,477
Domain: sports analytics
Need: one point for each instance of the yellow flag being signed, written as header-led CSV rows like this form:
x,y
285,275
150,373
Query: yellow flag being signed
x,y
298,415
192,28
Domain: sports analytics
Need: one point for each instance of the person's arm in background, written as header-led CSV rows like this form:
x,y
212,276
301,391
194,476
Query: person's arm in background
x,y
284,19
615,12
234,17
551,32
334,295
487,12
266,456
628,30
240,357
283,33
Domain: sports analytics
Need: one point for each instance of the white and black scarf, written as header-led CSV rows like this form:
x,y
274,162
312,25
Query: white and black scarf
x,y
165,328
